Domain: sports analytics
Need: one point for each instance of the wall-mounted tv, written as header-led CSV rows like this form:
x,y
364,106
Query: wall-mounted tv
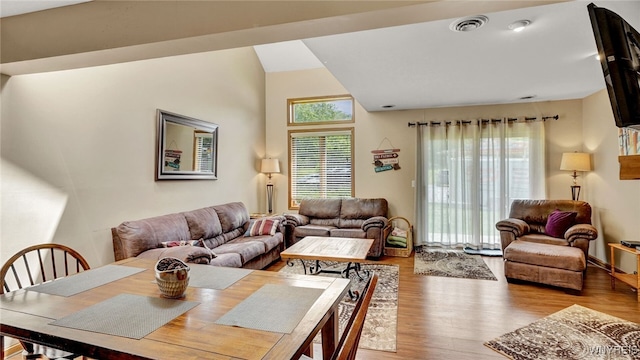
x,y
619,49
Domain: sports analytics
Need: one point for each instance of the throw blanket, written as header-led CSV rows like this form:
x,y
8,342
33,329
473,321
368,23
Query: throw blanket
x,y
397,241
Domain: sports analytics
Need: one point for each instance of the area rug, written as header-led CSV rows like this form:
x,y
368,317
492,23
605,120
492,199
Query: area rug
x,y
380,327
450,263
572,333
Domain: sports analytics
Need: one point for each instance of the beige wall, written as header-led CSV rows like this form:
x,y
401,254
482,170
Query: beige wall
x,y
584,125
616,202
78,147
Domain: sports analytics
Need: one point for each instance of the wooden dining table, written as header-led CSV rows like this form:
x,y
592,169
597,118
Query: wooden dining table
x,y
195,334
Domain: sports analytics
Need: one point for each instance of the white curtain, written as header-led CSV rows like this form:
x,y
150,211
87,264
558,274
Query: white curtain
x,y
467,175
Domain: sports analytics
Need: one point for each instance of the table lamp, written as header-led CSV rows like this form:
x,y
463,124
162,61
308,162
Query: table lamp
x,y
270,166
575,162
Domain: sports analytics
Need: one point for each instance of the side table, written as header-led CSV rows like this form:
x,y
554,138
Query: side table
x,y
631,279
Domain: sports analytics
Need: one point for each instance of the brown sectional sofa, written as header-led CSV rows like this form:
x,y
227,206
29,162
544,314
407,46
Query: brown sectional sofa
x,y
348,218
221,230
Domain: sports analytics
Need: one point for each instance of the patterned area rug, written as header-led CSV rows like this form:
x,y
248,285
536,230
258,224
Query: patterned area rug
x,y
380,326
450,263
573,333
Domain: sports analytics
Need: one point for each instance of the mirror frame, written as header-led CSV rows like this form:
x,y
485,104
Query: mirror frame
x,y
165,117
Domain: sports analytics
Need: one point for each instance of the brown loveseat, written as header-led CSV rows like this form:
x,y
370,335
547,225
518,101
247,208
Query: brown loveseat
x,y
530,253
348,218
219,232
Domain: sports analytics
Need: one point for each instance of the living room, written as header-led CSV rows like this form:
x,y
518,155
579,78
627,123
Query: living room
x,y
78,147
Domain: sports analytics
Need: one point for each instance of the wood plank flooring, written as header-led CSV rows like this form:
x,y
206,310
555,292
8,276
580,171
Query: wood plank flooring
x,y
447,318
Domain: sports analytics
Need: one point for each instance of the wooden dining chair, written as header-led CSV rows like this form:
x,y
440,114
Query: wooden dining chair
x,y
34,265
348,345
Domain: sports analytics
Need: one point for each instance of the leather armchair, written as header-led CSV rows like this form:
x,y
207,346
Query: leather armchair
x,y
527,220
530,254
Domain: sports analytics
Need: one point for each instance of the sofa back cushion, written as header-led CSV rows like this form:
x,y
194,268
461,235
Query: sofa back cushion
x,y
203,223
355,211
536,212
324,212
232,215
133,237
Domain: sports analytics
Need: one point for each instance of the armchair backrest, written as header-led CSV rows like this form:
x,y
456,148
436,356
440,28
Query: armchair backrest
x,y
535,212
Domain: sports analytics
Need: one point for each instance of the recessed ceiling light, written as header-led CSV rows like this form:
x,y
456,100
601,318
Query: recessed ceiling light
x,y
528,97
388,106
469,23
519,25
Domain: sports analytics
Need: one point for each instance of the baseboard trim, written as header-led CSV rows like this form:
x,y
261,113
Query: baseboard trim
x,y
606,266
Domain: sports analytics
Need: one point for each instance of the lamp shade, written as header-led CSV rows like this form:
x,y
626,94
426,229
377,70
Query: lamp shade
x,y
575,161
270,166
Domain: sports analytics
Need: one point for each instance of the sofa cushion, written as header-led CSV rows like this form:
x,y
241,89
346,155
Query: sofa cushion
x,y
168,244
227,260
203,223
248,249
137,236
348,233
312,230
559,222
544,239
321,211
232,216
189,254
270,242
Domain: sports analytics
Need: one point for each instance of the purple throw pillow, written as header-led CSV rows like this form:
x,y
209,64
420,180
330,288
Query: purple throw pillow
x,y
559,222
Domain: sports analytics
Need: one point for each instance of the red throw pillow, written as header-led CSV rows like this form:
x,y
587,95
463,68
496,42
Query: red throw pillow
x,y
559,222
264,226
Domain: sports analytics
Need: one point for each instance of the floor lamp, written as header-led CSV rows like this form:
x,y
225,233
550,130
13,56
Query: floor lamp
x,y
575,162
270,166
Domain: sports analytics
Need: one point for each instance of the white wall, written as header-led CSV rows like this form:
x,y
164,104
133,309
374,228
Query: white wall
x,y
78,147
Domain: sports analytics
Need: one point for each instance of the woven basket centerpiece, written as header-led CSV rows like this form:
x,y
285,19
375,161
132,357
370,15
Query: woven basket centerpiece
x,y
172,276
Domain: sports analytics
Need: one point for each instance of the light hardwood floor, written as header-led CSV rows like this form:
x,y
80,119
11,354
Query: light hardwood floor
x,y
446,318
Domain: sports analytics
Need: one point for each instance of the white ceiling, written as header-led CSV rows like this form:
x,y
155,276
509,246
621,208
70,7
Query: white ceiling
x,y
428,65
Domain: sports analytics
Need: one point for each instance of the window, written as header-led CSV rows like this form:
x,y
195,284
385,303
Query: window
x,y
321,164
324,110
203,159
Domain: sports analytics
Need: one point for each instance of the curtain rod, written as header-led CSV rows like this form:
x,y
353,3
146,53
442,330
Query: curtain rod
x,y
484,121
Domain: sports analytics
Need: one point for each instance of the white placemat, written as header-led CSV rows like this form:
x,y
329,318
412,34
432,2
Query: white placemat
x,y
127,315
276,308
215,277
77,283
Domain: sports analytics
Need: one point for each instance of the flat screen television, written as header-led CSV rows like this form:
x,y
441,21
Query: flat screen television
x,y
619,48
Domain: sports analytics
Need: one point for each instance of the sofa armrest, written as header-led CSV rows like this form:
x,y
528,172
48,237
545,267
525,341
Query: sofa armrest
x,y
516,226
581,231
376,221
296,219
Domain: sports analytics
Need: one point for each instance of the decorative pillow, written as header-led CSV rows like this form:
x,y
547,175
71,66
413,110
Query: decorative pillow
x,y
399,232
264,226
559,222
168,244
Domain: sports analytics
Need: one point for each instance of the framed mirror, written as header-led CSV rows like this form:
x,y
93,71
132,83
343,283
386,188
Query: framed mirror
x,y
187,148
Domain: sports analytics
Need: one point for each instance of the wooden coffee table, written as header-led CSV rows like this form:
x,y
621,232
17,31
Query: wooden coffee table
x,y
321,248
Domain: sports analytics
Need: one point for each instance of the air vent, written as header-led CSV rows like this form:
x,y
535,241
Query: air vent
x,y
469,23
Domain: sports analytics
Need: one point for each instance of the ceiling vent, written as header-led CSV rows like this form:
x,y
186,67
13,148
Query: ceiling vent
x,y
469,23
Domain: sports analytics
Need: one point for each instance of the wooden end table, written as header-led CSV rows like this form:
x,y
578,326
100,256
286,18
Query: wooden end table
x,y
321,248
631,279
